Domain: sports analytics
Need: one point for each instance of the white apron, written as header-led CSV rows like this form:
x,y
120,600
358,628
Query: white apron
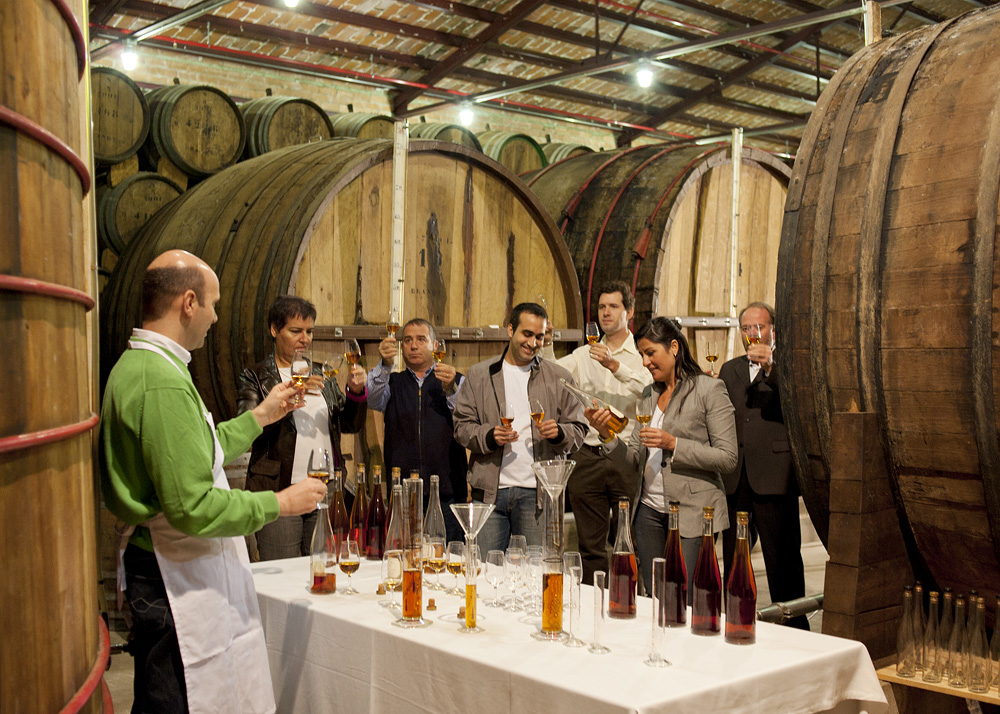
x,y
214,605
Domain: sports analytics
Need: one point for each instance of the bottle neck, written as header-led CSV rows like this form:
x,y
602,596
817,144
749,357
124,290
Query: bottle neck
x,y
673,521
741,533
623,540
707,527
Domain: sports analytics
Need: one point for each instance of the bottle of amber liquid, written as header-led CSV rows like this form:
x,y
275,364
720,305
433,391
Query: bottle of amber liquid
x,y
323,561
674,608
741,590
359,510
706,586
339,521
375,520
624,572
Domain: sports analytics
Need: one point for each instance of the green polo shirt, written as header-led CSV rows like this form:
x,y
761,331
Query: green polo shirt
x,y
157,453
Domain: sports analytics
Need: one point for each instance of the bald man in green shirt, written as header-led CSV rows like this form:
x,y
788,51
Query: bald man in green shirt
x,y
198,643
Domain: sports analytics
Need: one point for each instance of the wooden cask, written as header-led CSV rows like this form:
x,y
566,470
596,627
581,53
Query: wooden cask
x,y
315,220
198,128
887,289
659,218
277,122
518,152
50,616
558,152
120,113
360,125
454,133
125,208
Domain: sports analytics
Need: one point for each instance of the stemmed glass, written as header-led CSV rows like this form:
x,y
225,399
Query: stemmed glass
x,y
456,557
350,561
537,411
512,576
574,568
712,354
592,333
352,352
392,322
319,467
436,559
753,333
392,575
331,366
520,542
301,368
494,575
507,417
439,351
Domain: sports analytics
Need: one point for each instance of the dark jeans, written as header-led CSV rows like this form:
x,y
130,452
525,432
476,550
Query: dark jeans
x,y
158,685
516,513
650,539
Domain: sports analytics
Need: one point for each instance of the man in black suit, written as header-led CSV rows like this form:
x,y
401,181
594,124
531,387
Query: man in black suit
x,y
763,483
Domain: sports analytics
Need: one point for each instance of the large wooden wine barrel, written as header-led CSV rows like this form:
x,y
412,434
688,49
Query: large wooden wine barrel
x,y
121,115
446,132
558,152
315,220
197,127
659,218
50,614
276,122
518,152
887,291
125,208
360,125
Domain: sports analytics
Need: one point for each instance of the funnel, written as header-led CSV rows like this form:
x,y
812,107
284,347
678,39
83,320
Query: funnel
x,y
472,516
553,474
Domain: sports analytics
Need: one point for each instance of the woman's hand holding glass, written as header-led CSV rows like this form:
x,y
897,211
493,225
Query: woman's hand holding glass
x,y
653,438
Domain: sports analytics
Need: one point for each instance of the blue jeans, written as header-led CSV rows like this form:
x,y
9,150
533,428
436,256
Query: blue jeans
x,y
515,513
650,528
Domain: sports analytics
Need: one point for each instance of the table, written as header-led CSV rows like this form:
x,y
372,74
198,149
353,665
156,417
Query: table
x,y
341,653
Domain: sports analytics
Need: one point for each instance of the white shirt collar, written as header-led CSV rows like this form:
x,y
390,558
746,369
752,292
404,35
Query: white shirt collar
x,y
627,346
161,340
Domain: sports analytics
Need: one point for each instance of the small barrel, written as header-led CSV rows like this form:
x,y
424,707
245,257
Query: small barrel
x,y
518,152
197,127
124,209
276,122
558,152
454,133
121,116
362,126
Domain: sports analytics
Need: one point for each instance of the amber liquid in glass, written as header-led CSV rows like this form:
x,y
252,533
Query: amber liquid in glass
x,y
622,586
321,475
506,421
455,567
706,601
616,423
324,583
350,567
537,417
552,599
412,593
592,339
470,606
643,419
391,327
352,358
438,355
300,379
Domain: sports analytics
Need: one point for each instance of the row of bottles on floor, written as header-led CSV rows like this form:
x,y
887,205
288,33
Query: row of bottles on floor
x,y
947,643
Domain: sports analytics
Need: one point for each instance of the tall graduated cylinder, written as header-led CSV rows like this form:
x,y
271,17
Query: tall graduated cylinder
x,y
552,475
412,513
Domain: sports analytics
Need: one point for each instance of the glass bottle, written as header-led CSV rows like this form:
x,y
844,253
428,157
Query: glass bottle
x,y
375,521
435,533
617,422
918,626
396,481
995,649
956,654
323,558
624,572
394,532
979,655
944,632
741,589
338,511
932,655
675,607
706,586
359,511
905,665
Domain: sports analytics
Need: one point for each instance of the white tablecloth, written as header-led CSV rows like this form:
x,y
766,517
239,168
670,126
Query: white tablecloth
x,y
339,653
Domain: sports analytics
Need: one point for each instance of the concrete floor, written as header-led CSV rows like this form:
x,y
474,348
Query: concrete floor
x,y
814,557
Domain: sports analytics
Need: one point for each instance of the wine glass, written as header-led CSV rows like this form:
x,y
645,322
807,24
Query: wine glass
x,y
520,542
753,333
456,557
392,574
331,366
494,575
319,467
592,333
301,368
642,414
512,575
392,322
436,558
352,352
507,418
350,561
439,350
537,411
712,354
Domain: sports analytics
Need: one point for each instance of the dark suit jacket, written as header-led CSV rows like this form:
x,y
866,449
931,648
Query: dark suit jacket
x,y
760,431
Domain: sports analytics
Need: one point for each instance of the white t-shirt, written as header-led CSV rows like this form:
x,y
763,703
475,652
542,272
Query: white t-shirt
x,y
515,469
312,424
653,493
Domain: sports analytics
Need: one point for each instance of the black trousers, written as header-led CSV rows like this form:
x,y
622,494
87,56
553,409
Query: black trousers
x,y
593,490
776,520
159,672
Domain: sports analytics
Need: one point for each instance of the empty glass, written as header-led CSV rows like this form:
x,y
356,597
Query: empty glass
x,y
655,658
600,612
512,576
495,575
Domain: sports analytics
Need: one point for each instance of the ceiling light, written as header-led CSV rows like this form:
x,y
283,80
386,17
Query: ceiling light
x,y
644,75
129,57
291,3
466,115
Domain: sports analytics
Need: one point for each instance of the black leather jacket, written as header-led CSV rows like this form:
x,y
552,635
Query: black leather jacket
x,y
273,452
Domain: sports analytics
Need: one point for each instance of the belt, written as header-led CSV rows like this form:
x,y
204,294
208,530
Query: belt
x,y
598,450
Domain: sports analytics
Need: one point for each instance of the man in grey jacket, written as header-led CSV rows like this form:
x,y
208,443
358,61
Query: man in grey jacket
x,y
514,385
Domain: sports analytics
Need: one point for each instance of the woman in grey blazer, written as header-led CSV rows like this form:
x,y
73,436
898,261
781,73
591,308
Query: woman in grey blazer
x,y
683,451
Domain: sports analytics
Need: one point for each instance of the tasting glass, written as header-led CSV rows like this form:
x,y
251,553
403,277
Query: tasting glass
x,y
494,575
392,322
319,467
350,561
301,368
592,333
537,411
600,612
712,354
456,559
392,575
512,576
332,365
434,548
575,572
439,351
520,542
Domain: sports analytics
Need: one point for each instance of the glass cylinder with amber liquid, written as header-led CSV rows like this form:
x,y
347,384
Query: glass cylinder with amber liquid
x,y
359,511
674,603
624,574
552,475
339,520
411,512
741,589
706,586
